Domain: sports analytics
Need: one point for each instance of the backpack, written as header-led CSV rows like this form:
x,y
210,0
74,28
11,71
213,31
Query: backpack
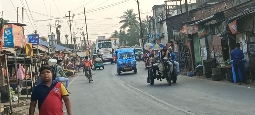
x,y
54,72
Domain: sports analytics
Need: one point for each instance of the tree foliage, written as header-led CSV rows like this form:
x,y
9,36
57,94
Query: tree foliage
x,y
129,33
43,38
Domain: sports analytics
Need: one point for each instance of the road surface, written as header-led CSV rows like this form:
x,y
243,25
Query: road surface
x,y
129,94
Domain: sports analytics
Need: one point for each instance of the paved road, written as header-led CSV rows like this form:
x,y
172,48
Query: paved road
x,y
129,94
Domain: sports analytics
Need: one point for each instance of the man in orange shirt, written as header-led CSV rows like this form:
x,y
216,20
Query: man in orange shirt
x,y
87,65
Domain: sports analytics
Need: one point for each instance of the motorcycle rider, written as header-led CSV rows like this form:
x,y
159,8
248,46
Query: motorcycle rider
x,y
164,55
173,56
87,65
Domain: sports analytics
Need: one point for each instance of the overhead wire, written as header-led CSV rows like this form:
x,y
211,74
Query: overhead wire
x,y
83,5
30,14
18,15
45,7
57,8
105,7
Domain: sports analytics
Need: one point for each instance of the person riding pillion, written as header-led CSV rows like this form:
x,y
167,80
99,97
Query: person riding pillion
x,y
87,66
173,56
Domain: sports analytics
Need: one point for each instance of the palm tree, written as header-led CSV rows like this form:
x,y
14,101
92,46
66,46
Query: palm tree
x,y
129,19
115,34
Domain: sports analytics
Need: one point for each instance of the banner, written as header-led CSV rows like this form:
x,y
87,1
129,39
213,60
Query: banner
x,y
33,38
8,37
233,27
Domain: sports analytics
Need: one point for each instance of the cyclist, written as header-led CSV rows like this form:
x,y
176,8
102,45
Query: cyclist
x,y
87,65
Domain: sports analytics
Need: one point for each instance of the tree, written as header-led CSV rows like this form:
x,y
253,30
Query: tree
x,y
129,19
115,34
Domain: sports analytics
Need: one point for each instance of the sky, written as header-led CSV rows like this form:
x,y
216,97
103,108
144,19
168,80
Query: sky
x,y
102,15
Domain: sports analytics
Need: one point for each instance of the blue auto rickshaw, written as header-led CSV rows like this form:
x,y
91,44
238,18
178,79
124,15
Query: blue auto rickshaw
x,y
126,60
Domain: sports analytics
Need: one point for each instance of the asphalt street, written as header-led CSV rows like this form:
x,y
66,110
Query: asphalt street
x,y
129,94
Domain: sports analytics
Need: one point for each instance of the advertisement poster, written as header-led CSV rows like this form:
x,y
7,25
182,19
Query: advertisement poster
x,y
33,38
18,35
8,37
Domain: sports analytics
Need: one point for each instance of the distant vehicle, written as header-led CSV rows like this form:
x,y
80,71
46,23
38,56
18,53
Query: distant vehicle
x,y
105,47
126,60
139,53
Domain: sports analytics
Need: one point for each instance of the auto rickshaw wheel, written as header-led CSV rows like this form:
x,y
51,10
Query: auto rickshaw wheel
x,y
103,67
118,72
174,78
169,80
135,71
151,77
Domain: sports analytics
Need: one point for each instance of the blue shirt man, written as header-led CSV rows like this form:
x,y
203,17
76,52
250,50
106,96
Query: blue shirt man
x,y
237,56
173,56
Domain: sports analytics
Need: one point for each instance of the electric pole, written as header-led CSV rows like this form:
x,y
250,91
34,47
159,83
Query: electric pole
x,y
70,24
86,27
141,29
187,9
66,39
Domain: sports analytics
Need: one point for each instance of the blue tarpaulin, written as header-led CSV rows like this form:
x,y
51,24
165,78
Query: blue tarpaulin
x,y
59,47
45,43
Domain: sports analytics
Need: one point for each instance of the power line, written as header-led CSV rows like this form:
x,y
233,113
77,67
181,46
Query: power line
x,y
83,5
105,7
16,11
31,16
56,8
45,7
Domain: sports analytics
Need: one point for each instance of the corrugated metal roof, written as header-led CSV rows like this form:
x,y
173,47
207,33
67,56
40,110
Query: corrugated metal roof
x,y
239,10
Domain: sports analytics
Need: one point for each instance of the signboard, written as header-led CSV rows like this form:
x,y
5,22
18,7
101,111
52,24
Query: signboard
x,y
29,49
18,35
33,39
8,37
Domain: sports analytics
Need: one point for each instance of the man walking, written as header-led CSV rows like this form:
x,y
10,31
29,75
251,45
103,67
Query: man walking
x,y
237,56
49,95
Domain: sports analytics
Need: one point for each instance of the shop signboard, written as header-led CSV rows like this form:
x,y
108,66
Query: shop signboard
x,y
8,37
33,38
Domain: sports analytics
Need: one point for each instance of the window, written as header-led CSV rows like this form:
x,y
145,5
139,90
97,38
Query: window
x,y
125,55
105,45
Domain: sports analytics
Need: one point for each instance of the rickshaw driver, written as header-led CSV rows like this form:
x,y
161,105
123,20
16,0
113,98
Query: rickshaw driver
x,y
164,54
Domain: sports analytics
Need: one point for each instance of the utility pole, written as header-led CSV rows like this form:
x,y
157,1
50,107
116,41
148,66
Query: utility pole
x,y
141,29
15,60
187,9
86,27
70,24
66,36
17,14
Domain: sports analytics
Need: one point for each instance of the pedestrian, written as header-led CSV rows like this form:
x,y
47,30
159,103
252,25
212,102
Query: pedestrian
x,y
59,73
49,95
237,56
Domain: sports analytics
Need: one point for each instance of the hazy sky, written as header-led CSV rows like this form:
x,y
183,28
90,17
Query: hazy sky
x,y
98,17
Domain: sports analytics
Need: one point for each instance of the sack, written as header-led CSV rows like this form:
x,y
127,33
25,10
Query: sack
x,y
54,71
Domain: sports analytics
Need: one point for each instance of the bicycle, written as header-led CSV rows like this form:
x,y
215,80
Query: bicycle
x,y
88,75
